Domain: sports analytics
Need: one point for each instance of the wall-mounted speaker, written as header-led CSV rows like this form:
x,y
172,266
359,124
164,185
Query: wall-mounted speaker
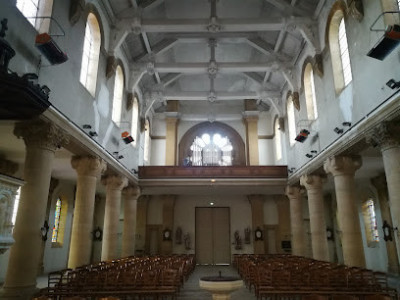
x,y
387,43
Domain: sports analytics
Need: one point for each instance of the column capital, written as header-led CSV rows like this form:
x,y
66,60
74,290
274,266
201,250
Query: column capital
x,y
293,192
42,134
131,191
251,116
114,182
379,182
7,167
88,165
342,165
386,135
312,181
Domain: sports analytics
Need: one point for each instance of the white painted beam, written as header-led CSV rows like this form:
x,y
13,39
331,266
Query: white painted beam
x,y
288,9
223,96
227,25
223,68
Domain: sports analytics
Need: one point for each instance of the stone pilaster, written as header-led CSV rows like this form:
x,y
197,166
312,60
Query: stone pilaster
x,y
171,120
114,185
343,169
168,221
257,213
387,137
283,206
296,220
131,194
41,139
313,185
391,249
89,169
251,116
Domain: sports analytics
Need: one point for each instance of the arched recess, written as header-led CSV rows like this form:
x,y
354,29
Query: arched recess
x,y
238,153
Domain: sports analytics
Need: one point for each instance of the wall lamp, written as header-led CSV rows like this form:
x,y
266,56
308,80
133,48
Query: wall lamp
x,y
346,124
338,130
393,84
387,231
117,155
309,155
92,133
329,234
134,171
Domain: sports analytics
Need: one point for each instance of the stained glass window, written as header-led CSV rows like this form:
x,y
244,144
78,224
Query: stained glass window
x,y
371,227
57,215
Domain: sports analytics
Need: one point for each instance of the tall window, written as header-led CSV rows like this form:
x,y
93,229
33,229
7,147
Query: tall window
x,y
309,90
278,145
291,121
16,205
57,215
34,10
210,150
90,54
339,51
135,119
398,4
118,93
344,53
371,227
146,156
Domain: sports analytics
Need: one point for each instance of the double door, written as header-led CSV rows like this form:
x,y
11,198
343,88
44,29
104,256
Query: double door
x,y
213,236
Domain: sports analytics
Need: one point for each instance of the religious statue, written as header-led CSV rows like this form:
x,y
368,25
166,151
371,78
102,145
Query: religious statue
x,y
247,233
178,236
238,240
186,239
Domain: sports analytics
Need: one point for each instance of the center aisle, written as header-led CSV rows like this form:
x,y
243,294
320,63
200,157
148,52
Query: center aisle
x,y
191,289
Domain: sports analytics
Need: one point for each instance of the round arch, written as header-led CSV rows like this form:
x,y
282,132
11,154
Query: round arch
x,y
238,156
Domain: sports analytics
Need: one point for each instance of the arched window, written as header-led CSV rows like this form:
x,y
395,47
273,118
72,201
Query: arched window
x,y
135,119
118,93
309,90
37,8
210,150
371,227
57,215
339,51
291,121
15,208
146,156
90,54
278,145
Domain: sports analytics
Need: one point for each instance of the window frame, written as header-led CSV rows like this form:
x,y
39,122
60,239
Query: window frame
x,y
90,54
44,8
118,96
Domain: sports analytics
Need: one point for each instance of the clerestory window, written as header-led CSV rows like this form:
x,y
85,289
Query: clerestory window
x,y
118,93
210,150
309,90
135,119
34,11
371,227
291,121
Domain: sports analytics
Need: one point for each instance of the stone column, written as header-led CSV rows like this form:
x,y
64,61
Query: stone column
x,y
257,213
343,169
387,137
391,249
114,185
41,140
171,119
168,221
141,224
89,168
319,241
131,194
296,220
251,121
282,203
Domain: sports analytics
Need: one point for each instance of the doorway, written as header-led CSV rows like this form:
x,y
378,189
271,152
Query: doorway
x,y
213,236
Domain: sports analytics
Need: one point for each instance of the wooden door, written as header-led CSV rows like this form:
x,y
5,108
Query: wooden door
x,y
213,236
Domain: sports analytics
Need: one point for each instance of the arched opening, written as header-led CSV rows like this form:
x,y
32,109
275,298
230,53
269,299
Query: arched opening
x,y
309,91
135,119
118,93
211,144
291,120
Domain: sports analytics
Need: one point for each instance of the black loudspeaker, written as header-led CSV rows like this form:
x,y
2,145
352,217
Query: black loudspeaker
x,y
387,43
48,47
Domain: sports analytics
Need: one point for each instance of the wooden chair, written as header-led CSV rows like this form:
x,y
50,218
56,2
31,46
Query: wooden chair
x,y
315,297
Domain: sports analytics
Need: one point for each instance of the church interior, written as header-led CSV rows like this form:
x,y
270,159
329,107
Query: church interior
x,y
201,132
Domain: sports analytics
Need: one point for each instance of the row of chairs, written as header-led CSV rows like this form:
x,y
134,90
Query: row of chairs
x,y
152,277
284,276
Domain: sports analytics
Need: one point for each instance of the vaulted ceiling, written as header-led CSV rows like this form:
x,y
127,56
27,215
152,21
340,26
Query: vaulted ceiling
x,y
213,51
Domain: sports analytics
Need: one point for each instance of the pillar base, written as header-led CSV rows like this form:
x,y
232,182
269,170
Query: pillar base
x,y
20,293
